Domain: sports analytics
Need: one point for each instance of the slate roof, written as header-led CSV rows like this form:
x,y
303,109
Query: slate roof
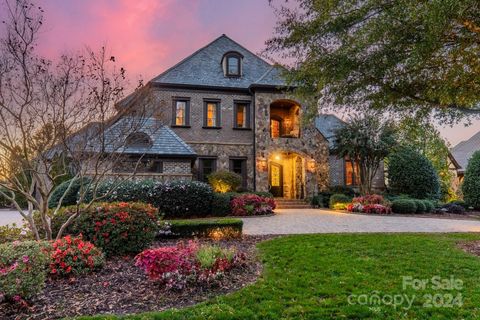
x,y
164,141
327,124
463,151
204,68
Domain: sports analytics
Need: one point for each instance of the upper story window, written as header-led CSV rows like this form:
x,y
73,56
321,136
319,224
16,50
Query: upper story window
x,y
139,140
232,64
211,114
181,112
242,115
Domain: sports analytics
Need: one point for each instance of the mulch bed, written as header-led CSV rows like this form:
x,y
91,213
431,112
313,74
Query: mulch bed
x,y
472,247
121,288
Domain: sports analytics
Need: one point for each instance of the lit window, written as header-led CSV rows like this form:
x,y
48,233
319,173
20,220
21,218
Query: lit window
x,y
242,119
180,112
352,177
212,114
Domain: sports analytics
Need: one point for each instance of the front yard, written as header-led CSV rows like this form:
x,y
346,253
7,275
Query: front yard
x,y
341,276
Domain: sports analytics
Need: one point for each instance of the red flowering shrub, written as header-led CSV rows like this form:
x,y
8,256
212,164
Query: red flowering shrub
x,y
373,203
369,199
117,227
252,205
72,255
176,267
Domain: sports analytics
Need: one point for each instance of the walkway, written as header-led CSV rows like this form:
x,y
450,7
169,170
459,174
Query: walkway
x,y
295,221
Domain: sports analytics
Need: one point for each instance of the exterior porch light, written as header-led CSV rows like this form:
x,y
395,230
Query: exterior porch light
x,y
311,165
277,157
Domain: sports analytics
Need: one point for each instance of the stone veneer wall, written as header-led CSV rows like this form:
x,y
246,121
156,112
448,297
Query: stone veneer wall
x,y
310,145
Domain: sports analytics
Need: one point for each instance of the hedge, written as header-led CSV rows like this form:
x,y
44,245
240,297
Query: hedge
x,y
71,197
421,207
203,228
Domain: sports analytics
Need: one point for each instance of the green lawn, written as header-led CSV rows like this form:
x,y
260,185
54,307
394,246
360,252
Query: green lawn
x,y
312,276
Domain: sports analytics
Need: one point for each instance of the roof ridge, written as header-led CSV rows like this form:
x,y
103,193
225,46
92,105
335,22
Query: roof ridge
x,y
245,48
462,143
264,75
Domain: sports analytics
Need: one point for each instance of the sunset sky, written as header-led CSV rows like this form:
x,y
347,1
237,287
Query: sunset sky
x,y
148,36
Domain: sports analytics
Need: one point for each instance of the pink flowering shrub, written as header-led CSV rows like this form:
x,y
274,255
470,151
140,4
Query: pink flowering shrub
x,y
72,255
22,269
252,205
176,267
373,203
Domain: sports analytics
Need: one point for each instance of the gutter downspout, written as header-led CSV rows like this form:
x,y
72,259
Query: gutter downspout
x,y
254,140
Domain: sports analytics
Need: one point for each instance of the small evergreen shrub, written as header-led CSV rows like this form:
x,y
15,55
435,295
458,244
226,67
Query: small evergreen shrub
x,y
71,197
224,181
118,228
429,206
339,201
22,269
201,228
471,182
404,206
411,173
264,194
460,203
454,208
316,201
221,204
421,208
252,205
73,256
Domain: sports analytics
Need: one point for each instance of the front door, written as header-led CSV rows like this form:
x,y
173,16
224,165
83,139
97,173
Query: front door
x,y
276,179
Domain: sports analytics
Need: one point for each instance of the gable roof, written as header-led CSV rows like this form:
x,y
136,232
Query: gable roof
x,y
463,151
204,68
164,141
327,124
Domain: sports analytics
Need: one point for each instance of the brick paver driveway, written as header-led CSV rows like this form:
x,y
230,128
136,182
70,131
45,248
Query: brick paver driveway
x,y
296,221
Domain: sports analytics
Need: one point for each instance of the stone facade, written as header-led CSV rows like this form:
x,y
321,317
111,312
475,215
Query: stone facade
x,y
310,146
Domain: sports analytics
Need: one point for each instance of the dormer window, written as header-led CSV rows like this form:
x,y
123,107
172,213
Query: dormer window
x,y
232,64
138,140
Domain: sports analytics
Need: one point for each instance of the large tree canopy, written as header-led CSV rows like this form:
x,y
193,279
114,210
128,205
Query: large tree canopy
x,y
402,55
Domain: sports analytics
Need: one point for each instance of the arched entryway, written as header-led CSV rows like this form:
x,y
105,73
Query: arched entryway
x,y
286,175
284,119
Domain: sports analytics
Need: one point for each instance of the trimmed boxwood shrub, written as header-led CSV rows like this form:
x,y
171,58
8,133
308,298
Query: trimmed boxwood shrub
x,y
23,269
404,206
429,206
459,203
339,201
221,204
421,208
411,173
454,208
471,182
224,181
71,197
117,228
207,228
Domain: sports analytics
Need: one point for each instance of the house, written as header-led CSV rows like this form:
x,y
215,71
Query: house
x,y
225,108
461,154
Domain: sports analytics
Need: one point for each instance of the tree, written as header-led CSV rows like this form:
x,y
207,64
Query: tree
x,y
365,140
405,56
423,137
471,182
411,173
55,118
